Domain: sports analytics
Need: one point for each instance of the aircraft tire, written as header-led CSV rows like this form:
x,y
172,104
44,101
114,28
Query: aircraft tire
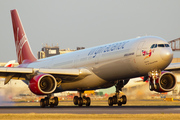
x,y
124,99
56,101
75,100
119,103
80,101
151,87
46,101
42,103
114,99
88,101
110,101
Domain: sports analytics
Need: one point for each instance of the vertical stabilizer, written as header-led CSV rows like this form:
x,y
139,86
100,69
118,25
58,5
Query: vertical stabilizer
x,y
23,50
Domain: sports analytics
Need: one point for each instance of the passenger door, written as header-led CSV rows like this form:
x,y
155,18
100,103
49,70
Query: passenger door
x,y
139,48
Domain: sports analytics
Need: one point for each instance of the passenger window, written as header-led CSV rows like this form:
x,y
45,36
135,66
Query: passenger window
x,y
160,45
166,45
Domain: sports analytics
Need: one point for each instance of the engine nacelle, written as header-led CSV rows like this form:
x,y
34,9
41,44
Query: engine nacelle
x,y
166,82
42,84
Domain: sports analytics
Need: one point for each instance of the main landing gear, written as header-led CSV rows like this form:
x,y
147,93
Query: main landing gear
x,y
116,99
48,101
82,100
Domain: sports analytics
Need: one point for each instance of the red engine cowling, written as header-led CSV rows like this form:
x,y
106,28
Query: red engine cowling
x,y
42,84
165,83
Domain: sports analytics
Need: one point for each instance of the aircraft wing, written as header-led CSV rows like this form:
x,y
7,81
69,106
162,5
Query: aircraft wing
x,y
27,73
173,67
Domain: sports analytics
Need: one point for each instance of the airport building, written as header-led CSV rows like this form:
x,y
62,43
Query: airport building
x,y
48,51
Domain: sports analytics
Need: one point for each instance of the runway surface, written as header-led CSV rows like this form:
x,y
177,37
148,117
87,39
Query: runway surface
x,y
92,109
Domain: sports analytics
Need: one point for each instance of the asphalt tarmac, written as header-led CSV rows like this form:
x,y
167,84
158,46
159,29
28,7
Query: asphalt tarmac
x,y
93,109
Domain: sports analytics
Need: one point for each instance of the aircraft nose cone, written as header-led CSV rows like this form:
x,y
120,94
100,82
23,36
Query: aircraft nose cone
x,y
166,54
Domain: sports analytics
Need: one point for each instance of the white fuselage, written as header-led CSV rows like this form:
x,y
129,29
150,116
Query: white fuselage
x,y
111,62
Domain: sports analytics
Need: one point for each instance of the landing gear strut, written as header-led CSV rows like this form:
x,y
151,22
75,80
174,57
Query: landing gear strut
x,y
116,99
153,75
48,101
82,100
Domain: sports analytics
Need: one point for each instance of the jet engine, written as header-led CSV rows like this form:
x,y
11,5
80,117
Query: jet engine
x,y
166,82
42,84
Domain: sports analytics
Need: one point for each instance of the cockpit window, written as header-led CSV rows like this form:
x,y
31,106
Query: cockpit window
x,y
166,45
154,46
160,45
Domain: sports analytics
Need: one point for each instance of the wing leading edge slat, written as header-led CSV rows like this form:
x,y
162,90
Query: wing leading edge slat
x,y
13,73
173,67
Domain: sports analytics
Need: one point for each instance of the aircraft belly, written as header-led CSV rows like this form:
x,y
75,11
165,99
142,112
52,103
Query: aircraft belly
x,y
88,83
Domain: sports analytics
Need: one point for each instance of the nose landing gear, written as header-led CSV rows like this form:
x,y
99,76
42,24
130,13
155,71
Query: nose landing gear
x,y
153,76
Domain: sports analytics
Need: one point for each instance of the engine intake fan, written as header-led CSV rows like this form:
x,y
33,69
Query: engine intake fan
x,y
43,84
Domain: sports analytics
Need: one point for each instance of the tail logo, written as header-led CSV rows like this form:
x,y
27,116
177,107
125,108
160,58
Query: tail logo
x,y
20,44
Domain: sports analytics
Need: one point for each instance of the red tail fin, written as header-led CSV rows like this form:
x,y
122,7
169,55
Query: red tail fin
x,y
23,50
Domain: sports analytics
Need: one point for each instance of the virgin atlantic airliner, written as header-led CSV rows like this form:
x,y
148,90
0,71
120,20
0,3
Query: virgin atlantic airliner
x,y
90,69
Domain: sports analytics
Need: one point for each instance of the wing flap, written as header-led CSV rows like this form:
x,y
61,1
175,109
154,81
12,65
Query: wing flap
x,y
72,72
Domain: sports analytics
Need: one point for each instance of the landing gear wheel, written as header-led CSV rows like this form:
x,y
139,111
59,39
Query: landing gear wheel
x,y
119,103
75,100
88,101
56,101
124,99
117,100
46,101
82,99
80,102
110,101
49,101
114,99
42,103
51,105
151,86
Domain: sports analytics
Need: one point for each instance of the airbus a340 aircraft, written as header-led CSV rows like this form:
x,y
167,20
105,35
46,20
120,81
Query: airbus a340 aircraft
x,y
93,68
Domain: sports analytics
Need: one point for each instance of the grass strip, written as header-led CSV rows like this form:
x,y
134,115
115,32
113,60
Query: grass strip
x,y
34,116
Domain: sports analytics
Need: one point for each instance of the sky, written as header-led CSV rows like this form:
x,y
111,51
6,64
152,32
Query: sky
x,y
83,23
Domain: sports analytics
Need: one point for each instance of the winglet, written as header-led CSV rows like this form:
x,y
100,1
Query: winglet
x,y
23,49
